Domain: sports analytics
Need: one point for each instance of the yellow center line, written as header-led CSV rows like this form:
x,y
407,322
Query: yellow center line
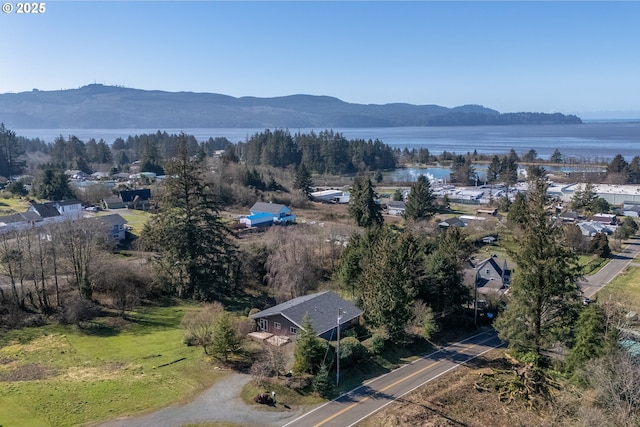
x,y
342,411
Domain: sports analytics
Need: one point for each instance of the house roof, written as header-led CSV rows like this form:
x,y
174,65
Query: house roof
x,y
113,200
394,204
70,202
452,222
502,272
274,208
130,195
111,220
45,210
322,307
20,217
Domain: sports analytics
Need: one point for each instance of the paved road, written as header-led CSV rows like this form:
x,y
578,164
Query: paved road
x,y
592,284
372,396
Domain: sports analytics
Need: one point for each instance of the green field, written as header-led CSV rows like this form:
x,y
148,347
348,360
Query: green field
x,y
63,376
10,204
625,288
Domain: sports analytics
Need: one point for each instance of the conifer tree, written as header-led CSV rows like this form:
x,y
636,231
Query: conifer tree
x,y
591,336
362,207
310,351
303,180
421,201
196,257
544,296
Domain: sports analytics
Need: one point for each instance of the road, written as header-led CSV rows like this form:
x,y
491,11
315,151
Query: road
x,y
592,284
359,403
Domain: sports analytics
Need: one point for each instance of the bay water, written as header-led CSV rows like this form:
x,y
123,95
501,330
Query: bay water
x,y
591,142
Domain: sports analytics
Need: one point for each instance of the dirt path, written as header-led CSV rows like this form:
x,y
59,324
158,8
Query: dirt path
x,y
221,402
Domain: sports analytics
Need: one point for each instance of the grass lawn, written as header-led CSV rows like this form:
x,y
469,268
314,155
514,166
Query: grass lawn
x,y
625,288
62,376
13,204
591,264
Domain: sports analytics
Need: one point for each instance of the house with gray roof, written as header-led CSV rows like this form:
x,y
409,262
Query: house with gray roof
x,y
489,276
286,319
114,227
396,207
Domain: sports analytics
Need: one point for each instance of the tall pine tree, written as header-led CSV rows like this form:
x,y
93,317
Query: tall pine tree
x,y
362,206
544,297
303,179
421,200
196,257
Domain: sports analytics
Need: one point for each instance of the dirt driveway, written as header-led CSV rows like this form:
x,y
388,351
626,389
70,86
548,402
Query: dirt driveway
x,y
221,402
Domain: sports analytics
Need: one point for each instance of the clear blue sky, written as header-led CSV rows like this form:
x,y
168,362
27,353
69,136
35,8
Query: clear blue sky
x,y
511,56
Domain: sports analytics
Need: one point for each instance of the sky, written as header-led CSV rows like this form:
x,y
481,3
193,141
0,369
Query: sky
x,y
545,56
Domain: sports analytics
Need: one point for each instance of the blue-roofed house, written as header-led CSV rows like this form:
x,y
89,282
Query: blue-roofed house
x,y
280,213
257,220
286,319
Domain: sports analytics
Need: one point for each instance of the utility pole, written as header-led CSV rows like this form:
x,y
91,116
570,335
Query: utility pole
x,y
475,297
338,352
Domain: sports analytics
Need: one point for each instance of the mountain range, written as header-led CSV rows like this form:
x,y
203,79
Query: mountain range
x,y
97,106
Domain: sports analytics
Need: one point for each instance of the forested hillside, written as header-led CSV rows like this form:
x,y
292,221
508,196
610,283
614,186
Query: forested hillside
x,y
109,107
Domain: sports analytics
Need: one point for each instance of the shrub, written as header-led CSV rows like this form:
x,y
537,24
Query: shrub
x,y
322,384
376,343
351,351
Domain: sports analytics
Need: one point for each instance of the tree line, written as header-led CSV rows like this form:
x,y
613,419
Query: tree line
x,y
326,152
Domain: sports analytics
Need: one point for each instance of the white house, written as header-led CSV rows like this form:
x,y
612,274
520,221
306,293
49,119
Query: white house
x,y
331,196
396,208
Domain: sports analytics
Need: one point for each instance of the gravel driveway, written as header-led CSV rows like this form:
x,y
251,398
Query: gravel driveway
x,y
221,402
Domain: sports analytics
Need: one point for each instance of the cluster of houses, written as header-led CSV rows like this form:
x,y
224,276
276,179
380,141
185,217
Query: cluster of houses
x,y
42,214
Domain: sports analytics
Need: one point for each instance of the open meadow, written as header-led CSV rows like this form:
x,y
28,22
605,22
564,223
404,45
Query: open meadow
x,y
65,375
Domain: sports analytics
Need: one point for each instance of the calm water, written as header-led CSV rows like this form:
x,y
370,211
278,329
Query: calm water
x,y
589,142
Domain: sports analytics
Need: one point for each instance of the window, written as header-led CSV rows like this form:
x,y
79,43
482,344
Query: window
x,y
116,236
293,330
276,325
263,324
488,272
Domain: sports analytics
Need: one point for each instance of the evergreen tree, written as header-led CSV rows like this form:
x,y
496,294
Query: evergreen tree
x,y
151,160
585,198
556,157
600,245
224,339
12,162
421,200
462,170
387,286
544,296
530,156
54,185
303,179
493,171
397,195
591,341
362,207
617,165
196,258
443,285
518,210
311,351
322,383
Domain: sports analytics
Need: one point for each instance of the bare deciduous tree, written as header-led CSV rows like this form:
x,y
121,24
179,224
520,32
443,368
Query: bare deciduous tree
x,y
79,241
293,265
200,325
616,380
